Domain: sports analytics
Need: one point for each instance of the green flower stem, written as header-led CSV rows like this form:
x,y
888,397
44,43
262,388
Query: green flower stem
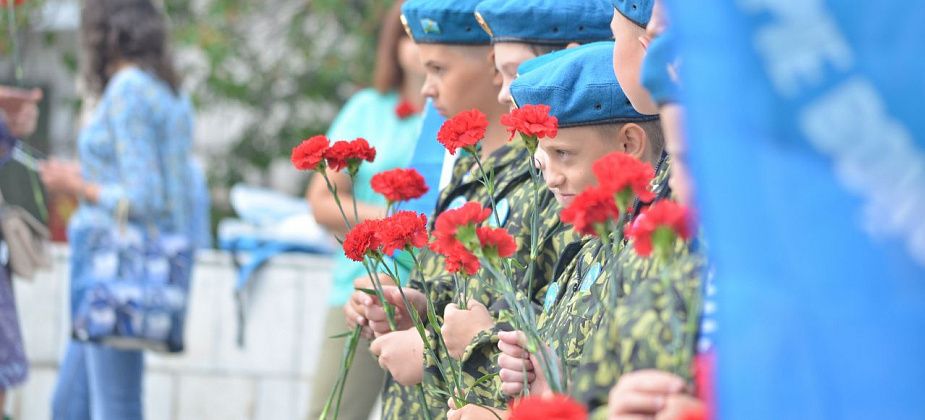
x,y
490,186
447,370
334,399
337,393
333,189
370,264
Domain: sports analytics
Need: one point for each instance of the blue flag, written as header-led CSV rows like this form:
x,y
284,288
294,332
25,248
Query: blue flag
x,y
807,142
428,160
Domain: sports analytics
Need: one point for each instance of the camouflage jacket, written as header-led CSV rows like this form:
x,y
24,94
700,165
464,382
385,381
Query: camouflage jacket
x,y
514,198
654,327
595,279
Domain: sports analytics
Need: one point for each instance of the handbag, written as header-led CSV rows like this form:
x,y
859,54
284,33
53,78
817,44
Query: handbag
x,y
26,238
135,288
134,291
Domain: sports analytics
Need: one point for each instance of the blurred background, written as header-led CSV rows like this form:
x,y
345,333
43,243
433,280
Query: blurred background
x,y
262,76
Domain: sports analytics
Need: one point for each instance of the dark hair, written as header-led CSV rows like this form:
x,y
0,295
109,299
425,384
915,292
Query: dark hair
x,y
130,30
388,74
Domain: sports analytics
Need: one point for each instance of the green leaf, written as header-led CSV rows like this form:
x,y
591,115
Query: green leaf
x,y
341,335
370,292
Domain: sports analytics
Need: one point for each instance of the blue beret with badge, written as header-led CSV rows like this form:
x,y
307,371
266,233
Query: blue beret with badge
x,y
549,22
579,86
443,22
659,72
638,11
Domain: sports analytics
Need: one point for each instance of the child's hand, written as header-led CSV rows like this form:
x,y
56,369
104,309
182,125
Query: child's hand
x,y
355,310
515,362
355,314
642,393
375,313
460,326
401,353
682,406
474,412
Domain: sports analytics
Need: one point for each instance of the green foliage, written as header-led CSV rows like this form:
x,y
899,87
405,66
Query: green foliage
x,y
290,65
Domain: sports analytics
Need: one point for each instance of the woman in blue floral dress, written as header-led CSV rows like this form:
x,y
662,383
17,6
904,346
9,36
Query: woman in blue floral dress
x,y
134,150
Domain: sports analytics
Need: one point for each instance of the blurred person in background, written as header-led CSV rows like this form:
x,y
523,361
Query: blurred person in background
x,y
387,117
18,117
134,149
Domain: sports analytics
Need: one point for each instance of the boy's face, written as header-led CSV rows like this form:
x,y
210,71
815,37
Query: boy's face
x,y
681,183
568,158
459,78
508,57
630,43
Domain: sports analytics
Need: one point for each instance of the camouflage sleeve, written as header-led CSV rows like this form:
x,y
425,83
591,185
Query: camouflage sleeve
x,y
651,330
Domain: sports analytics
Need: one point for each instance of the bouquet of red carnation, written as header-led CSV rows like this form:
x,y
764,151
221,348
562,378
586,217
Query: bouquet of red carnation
x,y
405,109
556,407
309,155
533,122
363,241
463,131
592,212
455,237
624,176
659,227
402,231
399,185
349,154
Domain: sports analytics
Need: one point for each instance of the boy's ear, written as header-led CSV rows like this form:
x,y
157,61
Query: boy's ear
x,y
496,79
634,141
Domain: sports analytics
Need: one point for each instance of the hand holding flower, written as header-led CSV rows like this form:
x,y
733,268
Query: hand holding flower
x,y
460,326
402,354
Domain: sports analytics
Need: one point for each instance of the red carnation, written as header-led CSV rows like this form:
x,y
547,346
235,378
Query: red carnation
x,y
496,241
659,226
463,131
704,374
362,240
455,236
399,184
449,222
623,175
403,230
3,3
457,257
405,109
349,154
557,407
309,155
590,211
531,121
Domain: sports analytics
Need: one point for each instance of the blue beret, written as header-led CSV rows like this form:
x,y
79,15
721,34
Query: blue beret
x,y
656,76
546,21
443,22
638,11
579,86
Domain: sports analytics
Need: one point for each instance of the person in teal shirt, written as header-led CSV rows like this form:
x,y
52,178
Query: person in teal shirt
x,y
388,117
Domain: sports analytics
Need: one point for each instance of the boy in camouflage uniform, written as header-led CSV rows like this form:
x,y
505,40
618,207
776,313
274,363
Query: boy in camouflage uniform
x,y
580,87
641,348
460,76
552,25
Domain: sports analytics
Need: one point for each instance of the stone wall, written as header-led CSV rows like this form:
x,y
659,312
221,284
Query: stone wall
x,y
270,379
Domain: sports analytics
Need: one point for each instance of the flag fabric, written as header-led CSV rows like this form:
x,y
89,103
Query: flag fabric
x,y
808,147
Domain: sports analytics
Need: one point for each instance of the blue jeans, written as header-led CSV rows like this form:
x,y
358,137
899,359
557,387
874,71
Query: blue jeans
x,y
98,383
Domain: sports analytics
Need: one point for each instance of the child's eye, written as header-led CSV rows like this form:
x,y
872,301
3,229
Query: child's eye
x,y
562,153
